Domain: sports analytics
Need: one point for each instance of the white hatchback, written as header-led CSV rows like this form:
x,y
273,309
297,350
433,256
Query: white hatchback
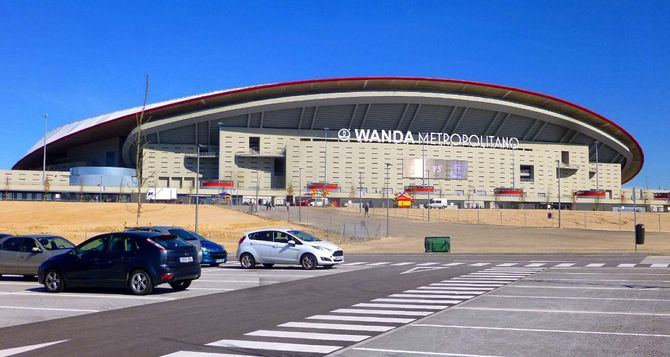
x,y
286,246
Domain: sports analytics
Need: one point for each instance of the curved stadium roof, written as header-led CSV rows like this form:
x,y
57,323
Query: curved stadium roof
x,y
121,123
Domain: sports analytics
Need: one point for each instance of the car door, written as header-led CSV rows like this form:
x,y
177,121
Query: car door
x,y
85,270
114,265
262,245
9,255
284,252
29,259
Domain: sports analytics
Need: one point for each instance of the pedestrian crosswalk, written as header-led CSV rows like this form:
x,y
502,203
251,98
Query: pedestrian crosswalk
x,y
331,331
509,264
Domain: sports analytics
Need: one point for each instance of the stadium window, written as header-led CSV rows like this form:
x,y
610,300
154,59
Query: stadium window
x,y
527,173
255,143
565,157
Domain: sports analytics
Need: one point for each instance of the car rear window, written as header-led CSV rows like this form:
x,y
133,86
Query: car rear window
x,y
54,243
170,242
183,234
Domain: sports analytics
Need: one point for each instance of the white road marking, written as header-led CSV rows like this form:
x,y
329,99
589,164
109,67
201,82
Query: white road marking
x,y
418,301
379,263
202,354
427,264
567,279
595,265
231,281
9,282
95,296
329,326
452,264
422,269
486,285
506,264
44,309
355,263
259,275
391,320
562,311
211,289
576,298
608,273
419,352
626,265
403,306
543,330
382,312
22,349
443,290
461,280
459,287
564,265
308,335
403,263
577,287
659,265
479,264
276,346
432,296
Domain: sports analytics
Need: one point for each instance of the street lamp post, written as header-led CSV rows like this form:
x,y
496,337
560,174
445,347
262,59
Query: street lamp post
x,y
44,156
558,177
325,165
300,195
428,178
197,185
360,192
258,184
388,179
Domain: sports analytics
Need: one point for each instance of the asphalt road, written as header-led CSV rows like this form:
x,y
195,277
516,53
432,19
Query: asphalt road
x,y
190,323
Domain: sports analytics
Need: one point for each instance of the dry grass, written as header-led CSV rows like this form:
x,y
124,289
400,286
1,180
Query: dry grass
x,y
79,221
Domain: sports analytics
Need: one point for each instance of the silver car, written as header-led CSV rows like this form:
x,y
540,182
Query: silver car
x,y
22,255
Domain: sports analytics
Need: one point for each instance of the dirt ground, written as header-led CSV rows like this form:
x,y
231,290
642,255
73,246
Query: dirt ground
x,y
78,221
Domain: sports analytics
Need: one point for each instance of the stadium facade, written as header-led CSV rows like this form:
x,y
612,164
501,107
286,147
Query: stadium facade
x,y
474,144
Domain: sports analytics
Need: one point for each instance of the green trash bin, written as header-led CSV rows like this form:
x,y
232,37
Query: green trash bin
x,y
437,244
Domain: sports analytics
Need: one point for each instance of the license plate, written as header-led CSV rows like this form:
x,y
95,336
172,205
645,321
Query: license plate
x,y
186,259
219,261
338,259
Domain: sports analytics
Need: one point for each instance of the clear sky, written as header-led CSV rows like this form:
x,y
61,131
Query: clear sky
x,y
84,58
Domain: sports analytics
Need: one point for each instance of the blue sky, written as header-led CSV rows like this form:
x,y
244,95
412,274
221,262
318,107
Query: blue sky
x,y
83,58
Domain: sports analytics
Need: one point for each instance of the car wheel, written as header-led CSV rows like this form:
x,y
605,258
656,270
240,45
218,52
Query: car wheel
x,y
247,261
180,285
268,265
53,281
140,283
328,266
308,262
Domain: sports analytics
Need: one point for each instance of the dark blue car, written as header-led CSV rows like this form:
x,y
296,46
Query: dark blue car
x,y
136,260
212,253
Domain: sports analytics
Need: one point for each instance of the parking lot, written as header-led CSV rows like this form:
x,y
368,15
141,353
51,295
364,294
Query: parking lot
x,y
578,311
23,301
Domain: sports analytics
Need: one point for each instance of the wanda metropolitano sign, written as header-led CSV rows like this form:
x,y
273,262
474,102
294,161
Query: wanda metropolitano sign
x,y
429,138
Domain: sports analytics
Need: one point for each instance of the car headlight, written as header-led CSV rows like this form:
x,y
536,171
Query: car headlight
x,y
321,248
205,250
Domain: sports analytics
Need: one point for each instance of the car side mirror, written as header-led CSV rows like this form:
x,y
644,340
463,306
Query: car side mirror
x,y
36,250
291,242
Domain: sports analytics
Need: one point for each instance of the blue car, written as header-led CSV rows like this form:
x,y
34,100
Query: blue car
x,y
136,260
213,254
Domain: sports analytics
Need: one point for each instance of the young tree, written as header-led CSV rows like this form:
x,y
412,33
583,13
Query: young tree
x,y
140,119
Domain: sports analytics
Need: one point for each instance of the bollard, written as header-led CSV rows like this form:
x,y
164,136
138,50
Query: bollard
x,y
639,234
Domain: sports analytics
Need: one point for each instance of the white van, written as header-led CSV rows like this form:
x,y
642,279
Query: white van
x,y
437,203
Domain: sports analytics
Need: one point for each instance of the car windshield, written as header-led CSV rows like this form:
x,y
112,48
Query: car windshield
x,y
54,243
183,234
169,242
305,237
199,236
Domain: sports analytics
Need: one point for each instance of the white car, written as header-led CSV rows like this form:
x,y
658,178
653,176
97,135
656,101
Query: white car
x,y
437,203
286,246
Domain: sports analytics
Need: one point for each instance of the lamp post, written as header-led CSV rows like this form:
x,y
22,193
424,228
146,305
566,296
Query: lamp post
x,y
388,178
258,184
558,177
325,155
597,169
44,156
300,195
428,178
360,192
197,185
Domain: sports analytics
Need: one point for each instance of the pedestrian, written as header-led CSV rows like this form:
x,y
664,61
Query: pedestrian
x,y
366,208
288,206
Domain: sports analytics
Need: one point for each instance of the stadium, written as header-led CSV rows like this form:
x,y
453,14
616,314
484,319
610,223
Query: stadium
x,y
477,145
